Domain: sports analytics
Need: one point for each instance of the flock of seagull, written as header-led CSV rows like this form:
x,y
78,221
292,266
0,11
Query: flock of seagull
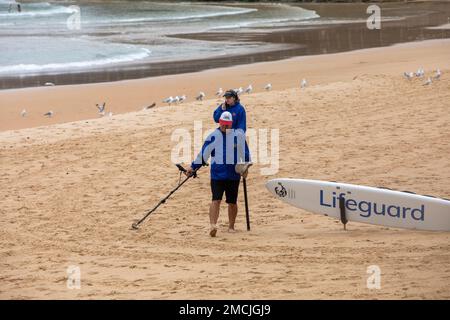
x,y
100,107
48,114
420,73
201,95
172,99
101,111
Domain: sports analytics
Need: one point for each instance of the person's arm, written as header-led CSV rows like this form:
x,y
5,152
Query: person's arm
x,y
242,120
247,153
248,161
204,154
244,163
243,152
201,158
217,113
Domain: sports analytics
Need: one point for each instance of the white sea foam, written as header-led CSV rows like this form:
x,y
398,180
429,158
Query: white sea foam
x,y
181,18
36,10
31,68
296,14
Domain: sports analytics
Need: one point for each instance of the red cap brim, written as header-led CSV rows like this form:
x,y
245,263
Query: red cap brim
x,y
224,122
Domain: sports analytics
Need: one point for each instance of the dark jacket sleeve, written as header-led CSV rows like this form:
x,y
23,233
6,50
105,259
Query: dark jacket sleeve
x,y
203,155
242,120
217,113
243,152
247,153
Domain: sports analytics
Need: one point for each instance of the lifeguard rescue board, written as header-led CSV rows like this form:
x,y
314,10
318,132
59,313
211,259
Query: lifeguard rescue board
x,y
379,206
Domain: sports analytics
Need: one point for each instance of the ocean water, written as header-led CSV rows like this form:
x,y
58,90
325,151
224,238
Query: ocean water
x,y
39,39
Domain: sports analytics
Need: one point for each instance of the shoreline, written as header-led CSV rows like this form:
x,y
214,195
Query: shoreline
x,y
301,40
77,102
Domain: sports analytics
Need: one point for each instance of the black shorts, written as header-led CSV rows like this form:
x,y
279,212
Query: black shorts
x,y
231,188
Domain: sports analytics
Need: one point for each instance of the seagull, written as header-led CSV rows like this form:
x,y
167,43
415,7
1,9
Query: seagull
x,y
219,92
23,113
438,74
239,90
168,100
182,98
408,75
49,84
176,99
428,82
49,114
249,89
101,108
200,96
420,73
150,106
268,86
303,83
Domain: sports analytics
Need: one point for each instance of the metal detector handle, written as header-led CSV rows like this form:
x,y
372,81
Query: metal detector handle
x,y
194,174
180,167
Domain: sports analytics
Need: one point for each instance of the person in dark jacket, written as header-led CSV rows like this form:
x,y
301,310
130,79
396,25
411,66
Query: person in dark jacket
x,y
226,147
233,105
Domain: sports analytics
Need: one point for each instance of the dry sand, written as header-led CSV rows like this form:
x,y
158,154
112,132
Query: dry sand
x,y
70,191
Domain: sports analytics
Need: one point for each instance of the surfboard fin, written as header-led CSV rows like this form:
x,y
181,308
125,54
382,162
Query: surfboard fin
x,y
342,210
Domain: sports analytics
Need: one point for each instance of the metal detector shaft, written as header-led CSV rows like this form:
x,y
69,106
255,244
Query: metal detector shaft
x,y
136,224
247,214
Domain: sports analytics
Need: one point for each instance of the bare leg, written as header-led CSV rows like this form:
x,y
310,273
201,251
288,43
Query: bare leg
x,y
214,211
232,213
214,216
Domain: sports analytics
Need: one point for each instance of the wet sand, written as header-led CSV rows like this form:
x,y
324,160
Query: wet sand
x,y
70,191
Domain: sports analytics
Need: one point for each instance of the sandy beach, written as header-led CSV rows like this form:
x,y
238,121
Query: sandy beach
x,y
77,102
73,184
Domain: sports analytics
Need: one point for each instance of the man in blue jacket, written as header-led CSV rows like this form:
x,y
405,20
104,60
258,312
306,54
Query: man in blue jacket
x,y
232,105
226,147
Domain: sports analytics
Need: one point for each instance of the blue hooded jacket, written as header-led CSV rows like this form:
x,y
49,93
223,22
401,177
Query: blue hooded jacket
x,y
226,150
238,113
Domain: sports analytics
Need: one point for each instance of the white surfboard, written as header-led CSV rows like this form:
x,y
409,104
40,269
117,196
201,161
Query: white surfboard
x,y
378,206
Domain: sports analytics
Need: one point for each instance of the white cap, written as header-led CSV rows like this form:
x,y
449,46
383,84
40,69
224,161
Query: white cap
x,y
226,118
